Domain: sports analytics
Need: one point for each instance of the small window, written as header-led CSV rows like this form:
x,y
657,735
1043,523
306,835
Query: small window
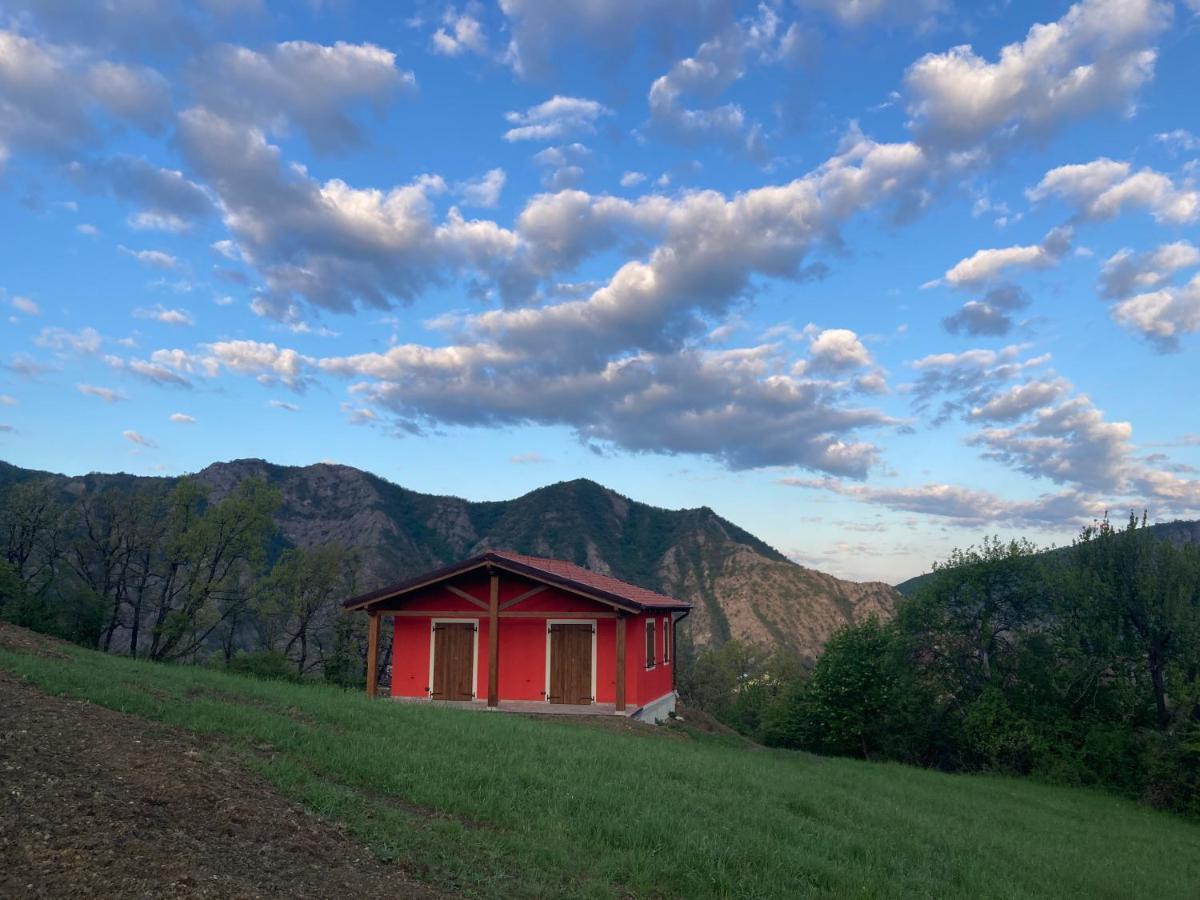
x,y
650,643
666,641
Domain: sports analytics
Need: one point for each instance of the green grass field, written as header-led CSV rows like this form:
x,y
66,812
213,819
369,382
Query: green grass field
x,y
499,805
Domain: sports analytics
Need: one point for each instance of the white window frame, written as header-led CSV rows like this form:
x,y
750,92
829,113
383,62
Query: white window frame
x,y
474,653
652,632
666,642
549,622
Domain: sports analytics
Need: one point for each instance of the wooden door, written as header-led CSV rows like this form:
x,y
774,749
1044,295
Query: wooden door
x,y
571,663
453,660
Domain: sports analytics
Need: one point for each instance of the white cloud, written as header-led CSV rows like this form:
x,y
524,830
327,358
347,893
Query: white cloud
x,y
108,395
856,13
1163,316
984,265
87,229
167,200
561,166
86,340
51,96
160,313
483,191
284,405
8,400
313,86
1097,56
1126,272
632,179
989,315
183,419
25,305
525,459
157,258
1102,188
460,33
962,504
837,350
139,439
555,119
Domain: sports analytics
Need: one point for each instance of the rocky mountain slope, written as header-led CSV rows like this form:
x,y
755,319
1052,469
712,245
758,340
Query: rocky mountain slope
x,y
741,587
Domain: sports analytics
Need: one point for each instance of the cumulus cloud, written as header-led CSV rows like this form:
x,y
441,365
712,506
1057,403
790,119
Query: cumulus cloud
x,y
965,506
160,313
158,259
484,190
86,340
1163,316
856,13
837,350
284,405
165,198
461,32
51,96
1126,272
182,419
1097,56
562,167
1104,187
135,438
703,77
632,179
314,87
555,119
108,395
543,29
25,305
989,315
984,265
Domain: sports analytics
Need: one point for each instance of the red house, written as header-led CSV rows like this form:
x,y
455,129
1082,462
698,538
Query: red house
x,y
528,634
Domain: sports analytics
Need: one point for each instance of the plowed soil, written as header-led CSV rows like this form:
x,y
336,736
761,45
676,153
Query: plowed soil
x,y
94,803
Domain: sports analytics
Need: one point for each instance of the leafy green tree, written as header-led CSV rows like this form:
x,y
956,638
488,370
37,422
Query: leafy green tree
x,y
299,601
1138,598
211,552
845,706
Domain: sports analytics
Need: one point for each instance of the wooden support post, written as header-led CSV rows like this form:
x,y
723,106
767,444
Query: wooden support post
x,y
674,653
493,699
372,653
621,623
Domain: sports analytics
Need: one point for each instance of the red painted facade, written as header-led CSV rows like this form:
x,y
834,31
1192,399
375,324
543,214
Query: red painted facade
x,y
523,640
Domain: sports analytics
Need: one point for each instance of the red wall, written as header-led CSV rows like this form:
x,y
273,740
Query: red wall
x,y
523,643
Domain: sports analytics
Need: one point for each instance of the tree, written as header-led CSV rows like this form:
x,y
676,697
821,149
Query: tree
x,y
300,600
1138,596
210,553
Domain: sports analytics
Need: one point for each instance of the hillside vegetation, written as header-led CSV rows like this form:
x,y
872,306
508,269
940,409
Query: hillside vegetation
x,y
1080,666
496,805
101,549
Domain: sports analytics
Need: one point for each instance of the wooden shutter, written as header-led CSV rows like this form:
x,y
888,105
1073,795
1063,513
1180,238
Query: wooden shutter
x,y
649,643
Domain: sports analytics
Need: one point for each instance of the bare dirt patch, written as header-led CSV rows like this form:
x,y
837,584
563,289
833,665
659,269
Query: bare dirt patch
x,y
95,803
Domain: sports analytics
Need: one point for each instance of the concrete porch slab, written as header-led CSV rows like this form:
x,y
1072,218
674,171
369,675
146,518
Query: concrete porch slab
x,y
527,707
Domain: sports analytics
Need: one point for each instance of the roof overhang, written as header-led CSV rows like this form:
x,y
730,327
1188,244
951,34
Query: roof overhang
x,y
375,599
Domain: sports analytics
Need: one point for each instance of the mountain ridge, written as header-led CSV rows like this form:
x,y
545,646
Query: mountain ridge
x,y
741,586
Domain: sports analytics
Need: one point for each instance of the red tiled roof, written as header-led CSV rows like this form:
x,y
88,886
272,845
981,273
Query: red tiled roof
x,y
554,571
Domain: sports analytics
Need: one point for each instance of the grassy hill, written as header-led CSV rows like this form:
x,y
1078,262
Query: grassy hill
x,y
741,587
500,805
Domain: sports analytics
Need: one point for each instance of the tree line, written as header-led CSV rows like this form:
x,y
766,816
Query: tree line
x,y
172,575
1079,665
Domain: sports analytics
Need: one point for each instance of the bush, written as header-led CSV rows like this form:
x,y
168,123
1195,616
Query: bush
x,y
264,664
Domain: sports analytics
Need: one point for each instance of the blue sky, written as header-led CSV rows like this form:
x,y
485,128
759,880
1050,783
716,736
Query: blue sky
x,y
871,279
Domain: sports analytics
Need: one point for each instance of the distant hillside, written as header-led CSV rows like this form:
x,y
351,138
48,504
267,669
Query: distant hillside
x,y
1181,532
742,588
